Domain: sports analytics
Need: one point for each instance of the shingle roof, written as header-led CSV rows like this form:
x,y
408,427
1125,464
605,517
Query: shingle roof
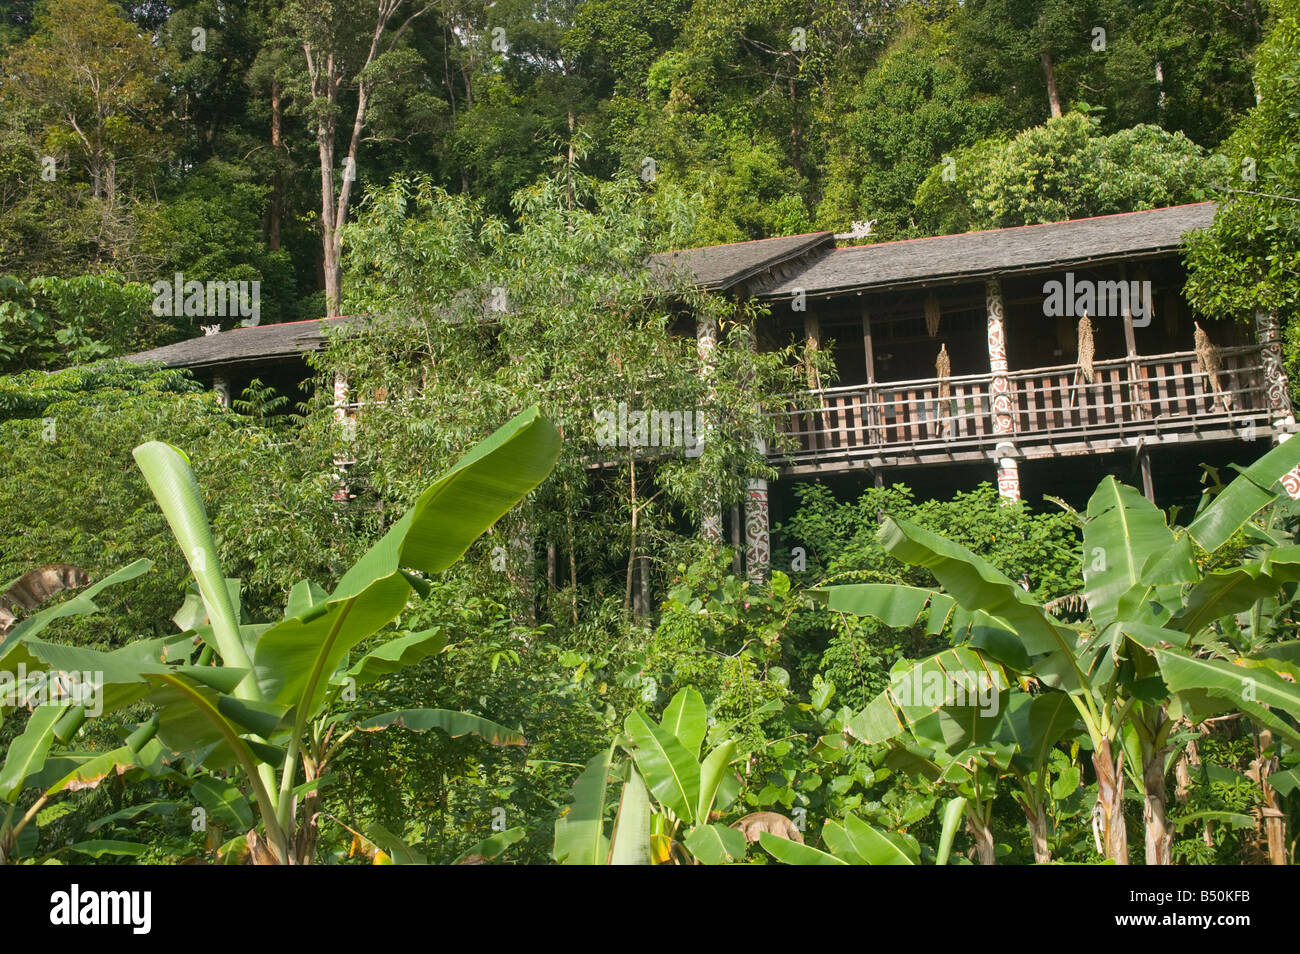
x,y
241,345
719,267
975,254
809,262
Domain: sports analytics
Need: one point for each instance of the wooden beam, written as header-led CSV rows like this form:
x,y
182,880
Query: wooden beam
x,y
867,349
1148,485
1140,393
1130,342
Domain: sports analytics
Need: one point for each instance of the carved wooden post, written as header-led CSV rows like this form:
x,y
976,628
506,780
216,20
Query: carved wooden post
x,y
1000,394
869,355
347,428
758,540
706,339
1275,380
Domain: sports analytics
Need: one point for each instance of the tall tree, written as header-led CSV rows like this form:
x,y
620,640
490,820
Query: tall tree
x,y
1249,260
347,45
92,85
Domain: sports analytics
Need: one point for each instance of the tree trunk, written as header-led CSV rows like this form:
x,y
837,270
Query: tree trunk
x,y
632,541
327,76
520,570
1036,816
329,250
571,539
276,209
1270,813
1159,836
983,837
1049,74
643,584
1108,816
796,140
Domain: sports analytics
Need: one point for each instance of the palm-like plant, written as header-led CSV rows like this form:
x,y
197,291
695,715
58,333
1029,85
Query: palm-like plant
x,y
1151,607
668,799
261,701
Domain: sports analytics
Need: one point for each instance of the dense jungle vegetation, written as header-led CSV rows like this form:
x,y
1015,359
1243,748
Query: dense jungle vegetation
x,y
456,662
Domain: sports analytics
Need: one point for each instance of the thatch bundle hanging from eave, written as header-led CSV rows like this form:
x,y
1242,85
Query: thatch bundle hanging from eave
x,y
932,314
1087,348
943,368
1211,364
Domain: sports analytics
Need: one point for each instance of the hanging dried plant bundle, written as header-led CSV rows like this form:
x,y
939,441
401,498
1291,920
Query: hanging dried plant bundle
x,y
943,368
1086,348
932,314
1211,363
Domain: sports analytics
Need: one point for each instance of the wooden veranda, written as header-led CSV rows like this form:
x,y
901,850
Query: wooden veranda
x,y
1129,402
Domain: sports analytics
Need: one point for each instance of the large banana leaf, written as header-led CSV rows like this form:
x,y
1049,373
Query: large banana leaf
x,y
580,831
953,812
26,755
859,843
202,722
976,585
1244,497
1122,532
121,673
1239,684
455,724
716,844
630,843
687,718
893,604
712,770
1036,723
672,773
1222,594
167,472
793,853
904,606
493,846
223,802
945,682
397,654
295,658
91,772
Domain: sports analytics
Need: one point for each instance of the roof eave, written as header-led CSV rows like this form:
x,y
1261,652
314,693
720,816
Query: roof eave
x,y
958,278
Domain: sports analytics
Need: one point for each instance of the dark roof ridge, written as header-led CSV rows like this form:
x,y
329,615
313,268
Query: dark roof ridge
x,y
1031,225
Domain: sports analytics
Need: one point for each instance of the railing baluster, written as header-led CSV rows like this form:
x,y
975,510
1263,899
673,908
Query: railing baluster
x,y
1126,397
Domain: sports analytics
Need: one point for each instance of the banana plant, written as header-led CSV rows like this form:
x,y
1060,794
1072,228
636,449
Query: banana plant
x,y
854,842
1035,724
1148,600
668,798
261,702
54,719
941,717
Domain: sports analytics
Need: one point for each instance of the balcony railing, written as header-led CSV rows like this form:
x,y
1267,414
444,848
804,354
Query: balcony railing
x,y
1126,398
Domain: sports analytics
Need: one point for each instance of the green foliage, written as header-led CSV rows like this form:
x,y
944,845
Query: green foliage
x,y
49,322
1149,654
1064,169
914,107
269,701
211,230
1246,262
